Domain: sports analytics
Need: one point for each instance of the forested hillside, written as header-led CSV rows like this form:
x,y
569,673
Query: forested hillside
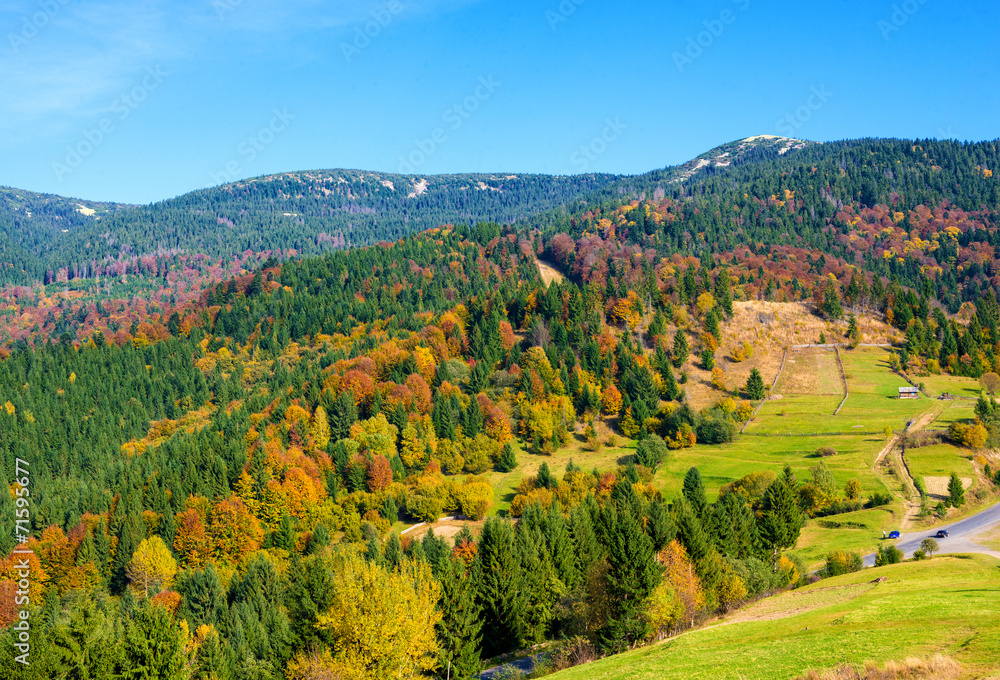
x,y
289,214
219,476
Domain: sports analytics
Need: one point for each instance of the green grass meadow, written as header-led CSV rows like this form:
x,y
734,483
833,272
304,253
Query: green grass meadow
x,y
948,605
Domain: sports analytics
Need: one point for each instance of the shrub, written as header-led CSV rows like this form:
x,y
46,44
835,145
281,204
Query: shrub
x,y
888,554
843,562
878,499
742,352
715,427
650,452
825,452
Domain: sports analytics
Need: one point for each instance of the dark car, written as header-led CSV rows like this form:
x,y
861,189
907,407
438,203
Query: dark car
x,y
942,533
893,534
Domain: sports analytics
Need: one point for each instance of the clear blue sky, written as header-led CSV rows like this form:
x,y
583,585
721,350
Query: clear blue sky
x,y
143,100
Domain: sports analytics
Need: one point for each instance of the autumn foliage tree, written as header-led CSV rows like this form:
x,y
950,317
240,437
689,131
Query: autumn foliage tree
x,y
380,622
152,566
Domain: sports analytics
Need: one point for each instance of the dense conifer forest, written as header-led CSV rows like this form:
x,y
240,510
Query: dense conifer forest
x,y
223,453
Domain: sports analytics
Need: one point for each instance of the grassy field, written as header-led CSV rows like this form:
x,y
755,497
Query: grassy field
x,y
949,605
952,384
939,460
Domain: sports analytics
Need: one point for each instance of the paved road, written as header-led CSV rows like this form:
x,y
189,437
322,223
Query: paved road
x,y
961,536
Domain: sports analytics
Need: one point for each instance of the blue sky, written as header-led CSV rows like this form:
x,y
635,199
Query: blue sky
x,y
144,100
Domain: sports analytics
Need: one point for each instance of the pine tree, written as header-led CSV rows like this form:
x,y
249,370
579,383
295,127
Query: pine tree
x,y
458,631
499,588
755,388
780,521
694,492
507,460
681,348
632,575
724,292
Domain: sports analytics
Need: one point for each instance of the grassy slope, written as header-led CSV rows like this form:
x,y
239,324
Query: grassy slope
x,y
947,604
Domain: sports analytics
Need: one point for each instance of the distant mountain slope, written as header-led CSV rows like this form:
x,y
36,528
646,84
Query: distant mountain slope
x,y
44,237
309,211
306,212
33,225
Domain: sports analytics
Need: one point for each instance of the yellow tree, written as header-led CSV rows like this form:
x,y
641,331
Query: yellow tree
x,y
320,428
381,623
152,566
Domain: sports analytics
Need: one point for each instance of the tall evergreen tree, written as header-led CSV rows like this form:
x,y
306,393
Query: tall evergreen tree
x,y
499,588
632,574
459,630
780,521
694,491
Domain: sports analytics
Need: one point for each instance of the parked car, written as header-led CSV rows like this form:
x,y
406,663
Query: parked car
x,y
893,534
942,533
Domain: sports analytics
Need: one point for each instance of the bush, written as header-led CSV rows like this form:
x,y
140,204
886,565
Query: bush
x,y
888,554
825,452
842,562
650,452
838,507
715,427
878,499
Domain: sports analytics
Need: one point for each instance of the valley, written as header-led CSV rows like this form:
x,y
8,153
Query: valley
x,y
326,423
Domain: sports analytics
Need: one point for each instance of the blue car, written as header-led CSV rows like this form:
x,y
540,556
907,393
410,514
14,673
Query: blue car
x,y
893,534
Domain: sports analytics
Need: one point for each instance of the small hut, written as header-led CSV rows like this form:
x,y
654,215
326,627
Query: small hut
x,y
909,393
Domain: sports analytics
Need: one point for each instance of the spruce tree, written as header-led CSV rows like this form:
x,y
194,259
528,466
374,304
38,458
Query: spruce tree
x,y
459,630
956,492
724,292
780,521
755,387
681,348
694,491
507,460
560,545
632,574
585,542
500,588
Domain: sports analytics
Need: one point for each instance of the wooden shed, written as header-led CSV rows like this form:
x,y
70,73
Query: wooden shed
x,y
909,393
